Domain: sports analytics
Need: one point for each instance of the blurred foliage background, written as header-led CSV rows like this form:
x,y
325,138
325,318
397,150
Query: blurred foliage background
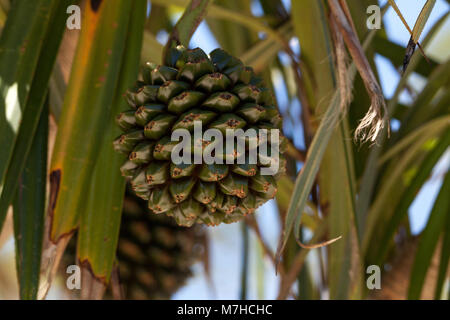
x,y
387,199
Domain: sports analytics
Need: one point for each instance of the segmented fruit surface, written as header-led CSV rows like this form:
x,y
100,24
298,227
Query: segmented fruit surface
x,y
155,255
221,93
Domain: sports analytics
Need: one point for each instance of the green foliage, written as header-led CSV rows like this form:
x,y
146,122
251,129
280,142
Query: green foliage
x,y
29,208
21,42
101,212
360,192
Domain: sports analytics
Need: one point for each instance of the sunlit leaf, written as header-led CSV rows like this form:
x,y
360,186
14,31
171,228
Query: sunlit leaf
x,y
101,213
87,108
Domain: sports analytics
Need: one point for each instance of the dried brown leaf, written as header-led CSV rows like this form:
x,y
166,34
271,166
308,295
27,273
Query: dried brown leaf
x,y
376,118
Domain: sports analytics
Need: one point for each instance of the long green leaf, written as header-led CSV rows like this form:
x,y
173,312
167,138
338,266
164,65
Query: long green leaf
x,y
34,103
29,209
86,110
321,139
345,263
422,108
307,176
100,217
390,189
311,28
428,130
429,240
305,179
408,196
20,43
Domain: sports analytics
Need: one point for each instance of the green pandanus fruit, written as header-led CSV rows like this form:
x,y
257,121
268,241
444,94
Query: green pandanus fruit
x,y
155,255
220,93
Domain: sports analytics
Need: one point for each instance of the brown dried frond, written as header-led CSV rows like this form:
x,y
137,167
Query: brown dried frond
x,y
374,121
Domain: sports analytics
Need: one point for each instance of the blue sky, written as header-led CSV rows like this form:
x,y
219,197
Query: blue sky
x,y
226,240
